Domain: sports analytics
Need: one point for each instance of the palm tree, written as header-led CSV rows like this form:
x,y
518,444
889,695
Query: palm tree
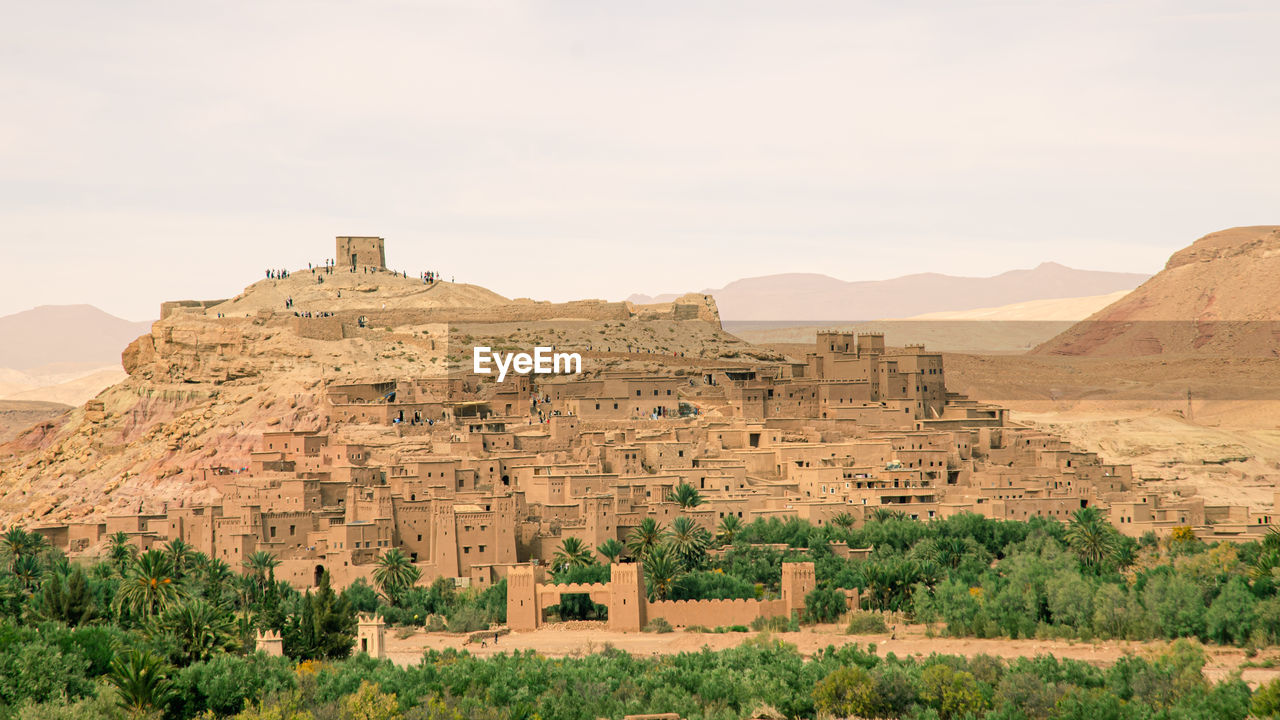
x,y
1091,537
121,551
844,521
215,571
27,570
180,555
660,571
14,543
611,549
686,496
394,574
18,543
572,553
200,627
261,566
881,514
688,542
140,683
950,551
644,537
150,586
730,526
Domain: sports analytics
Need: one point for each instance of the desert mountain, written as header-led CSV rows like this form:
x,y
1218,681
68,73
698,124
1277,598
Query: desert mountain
x,y
799,297
211,376
65,338
1219,296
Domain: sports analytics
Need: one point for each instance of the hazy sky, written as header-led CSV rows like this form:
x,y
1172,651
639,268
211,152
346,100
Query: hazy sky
x,y
165,150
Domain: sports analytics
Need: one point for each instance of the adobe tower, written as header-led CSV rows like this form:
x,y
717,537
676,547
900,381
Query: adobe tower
x,y
360,252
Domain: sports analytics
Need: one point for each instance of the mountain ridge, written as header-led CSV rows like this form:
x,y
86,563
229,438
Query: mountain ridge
x,y
820,297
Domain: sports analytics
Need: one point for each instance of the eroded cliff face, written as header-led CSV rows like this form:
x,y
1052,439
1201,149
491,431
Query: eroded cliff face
x,y
1218,296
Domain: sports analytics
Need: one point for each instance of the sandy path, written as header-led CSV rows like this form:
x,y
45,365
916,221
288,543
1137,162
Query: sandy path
x,y
911,640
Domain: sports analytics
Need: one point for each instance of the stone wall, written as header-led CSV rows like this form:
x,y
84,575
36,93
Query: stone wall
x,y
715,613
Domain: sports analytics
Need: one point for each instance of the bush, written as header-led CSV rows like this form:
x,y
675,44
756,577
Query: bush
x,y
658,625
774,624
847,692
824,604
866,623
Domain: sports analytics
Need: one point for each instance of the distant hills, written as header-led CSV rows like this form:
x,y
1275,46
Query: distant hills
x,y
811,297
65,338
62,353
1218,296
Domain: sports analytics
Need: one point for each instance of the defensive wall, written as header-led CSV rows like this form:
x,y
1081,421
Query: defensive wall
x,y
630,610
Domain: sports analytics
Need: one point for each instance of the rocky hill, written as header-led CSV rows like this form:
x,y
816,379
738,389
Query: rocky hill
x,y
211,376
809,297
1219,296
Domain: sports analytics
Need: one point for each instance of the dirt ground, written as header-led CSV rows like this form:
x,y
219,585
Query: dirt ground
x,y
587,638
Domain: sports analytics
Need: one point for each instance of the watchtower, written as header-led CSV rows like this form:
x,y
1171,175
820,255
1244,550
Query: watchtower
x,y
270,643
361,252
797,580
523,612
627,603
371,636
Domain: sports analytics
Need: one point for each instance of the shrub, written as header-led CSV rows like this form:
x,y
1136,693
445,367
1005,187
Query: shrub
x,y
658,625
1266,701
847,692
866,623
775,624
824,604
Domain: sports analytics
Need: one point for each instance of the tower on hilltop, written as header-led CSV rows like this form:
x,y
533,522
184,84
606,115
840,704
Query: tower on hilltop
x,y
361,252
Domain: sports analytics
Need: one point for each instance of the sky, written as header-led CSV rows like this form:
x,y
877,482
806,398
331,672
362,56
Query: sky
x,y
152,151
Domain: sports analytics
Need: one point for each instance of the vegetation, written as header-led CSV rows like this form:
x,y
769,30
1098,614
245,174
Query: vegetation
x,y
170,632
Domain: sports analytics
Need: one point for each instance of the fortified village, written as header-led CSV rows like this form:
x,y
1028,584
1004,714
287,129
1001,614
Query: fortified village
x,y
405,446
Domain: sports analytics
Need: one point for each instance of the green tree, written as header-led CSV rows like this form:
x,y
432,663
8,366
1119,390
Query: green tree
x,y
370,703
685,495
728,529
261,568
1092,538
17,543
149,587
847,692
395,573
660,573
824,604
1266,701
181,556
611,550
201,629
1231,617
844,521
140,683
644,537
953,693
572,553
121,551
68,601
323,628
688,542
